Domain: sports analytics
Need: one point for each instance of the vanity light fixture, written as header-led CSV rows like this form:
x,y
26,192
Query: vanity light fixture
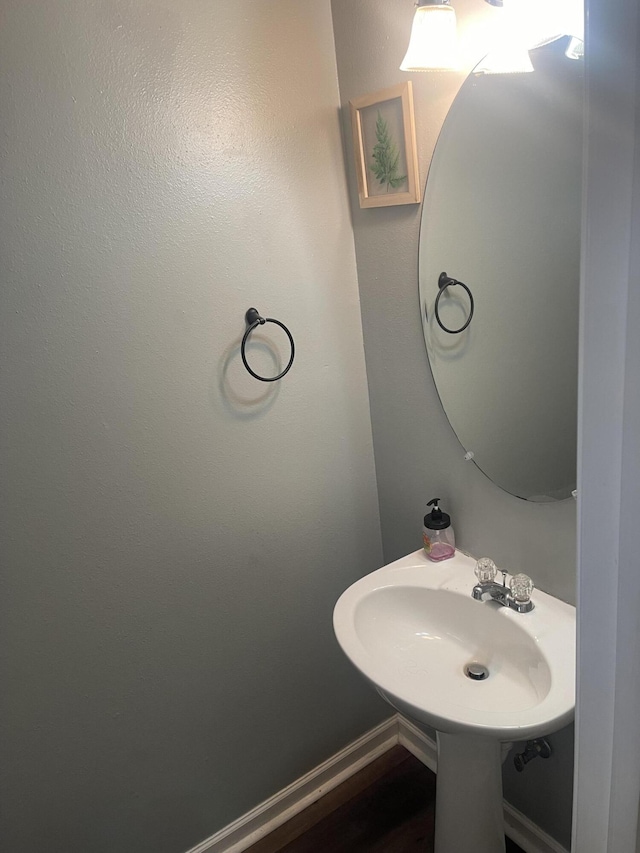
x,y
535,23
510,52
433,41
524,24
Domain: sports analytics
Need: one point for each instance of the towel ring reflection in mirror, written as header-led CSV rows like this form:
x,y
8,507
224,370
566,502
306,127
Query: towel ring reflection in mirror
x,y
445,281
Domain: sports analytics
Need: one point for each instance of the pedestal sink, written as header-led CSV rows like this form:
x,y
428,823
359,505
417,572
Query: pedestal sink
x,y
413,630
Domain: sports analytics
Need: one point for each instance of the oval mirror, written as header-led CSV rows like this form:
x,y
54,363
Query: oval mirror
x,y
502,215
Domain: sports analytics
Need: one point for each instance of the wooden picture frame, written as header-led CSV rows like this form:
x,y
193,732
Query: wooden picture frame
x,y
384,141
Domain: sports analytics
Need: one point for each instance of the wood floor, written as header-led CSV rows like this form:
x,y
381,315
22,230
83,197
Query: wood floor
x,y
388,807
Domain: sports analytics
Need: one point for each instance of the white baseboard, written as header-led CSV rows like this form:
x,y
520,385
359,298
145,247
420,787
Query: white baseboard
x,y
527,834
290,801
418,743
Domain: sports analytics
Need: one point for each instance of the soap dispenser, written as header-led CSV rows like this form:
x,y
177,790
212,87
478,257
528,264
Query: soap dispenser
x,y
437,534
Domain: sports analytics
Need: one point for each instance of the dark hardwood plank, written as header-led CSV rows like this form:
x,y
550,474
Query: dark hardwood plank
x,y
330,802
375,815
413,835
388,807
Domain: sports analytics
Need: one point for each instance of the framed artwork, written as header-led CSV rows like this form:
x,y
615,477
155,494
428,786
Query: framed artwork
x,y
384,141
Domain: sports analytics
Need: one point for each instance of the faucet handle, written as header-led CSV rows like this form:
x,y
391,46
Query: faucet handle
x,y
521,587
485,570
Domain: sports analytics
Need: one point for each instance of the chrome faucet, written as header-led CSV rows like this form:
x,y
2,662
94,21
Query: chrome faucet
x,y
517,595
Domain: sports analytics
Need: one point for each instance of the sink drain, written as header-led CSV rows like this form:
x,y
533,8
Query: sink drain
x,y
476,671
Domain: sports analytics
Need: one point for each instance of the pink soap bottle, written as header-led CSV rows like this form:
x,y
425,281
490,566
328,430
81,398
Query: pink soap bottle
x,y
437,534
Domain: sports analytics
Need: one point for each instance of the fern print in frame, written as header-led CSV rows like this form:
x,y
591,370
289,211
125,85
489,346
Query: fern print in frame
x,y
385,147
386,156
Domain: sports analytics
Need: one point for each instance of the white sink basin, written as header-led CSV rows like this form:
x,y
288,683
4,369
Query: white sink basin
x,y
412,627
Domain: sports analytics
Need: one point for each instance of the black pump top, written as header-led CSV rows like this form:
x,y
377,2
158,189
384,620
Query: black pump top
x,y
436,519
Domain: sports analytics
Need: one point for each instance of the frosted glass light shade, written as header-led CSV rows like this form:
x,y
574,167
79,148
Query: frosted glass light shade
x,y
506,60
542,21
575,50
509,53
433,42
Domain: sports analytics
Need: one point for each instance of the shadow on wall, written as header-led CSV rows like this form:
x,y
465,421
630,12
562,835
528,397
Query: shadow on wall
x,y
243,396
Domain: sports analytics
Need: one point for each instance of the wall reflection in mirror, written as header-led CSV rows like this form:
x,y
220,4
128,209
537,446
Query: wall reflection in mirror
x,y
502,214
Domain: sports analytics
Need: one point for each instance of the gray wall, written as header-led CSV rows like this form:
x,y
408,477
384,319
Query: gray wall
x,y
176,533
417,454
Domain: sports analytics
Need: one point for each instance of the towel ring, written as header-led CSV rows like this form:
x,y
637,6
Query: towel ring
x,y
254,320
445,281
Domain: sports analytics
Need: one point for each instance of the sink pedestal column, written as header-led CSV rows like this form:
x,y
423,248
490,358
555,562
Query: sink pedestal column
x,y
469,815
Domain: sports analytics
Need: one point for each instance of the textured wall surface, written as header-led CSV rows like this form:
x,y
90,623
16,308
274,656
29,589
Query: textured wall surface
x,y
176,532
417,454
